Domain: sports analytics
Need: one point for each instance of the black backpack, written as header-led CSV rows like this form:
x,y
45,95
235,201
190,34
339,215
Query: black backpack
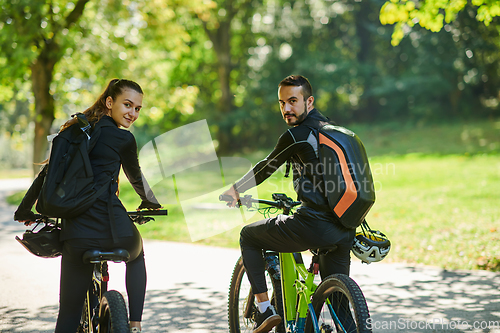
x,y
348,182
68,187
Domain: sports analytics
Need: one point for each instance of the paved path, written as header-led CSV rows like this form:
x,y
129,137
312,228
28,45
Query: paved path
x,y
185,293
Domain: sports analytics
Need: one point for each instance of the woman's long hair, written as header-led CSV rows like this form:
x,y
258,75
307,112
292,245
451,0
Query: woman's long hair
x,y
95,112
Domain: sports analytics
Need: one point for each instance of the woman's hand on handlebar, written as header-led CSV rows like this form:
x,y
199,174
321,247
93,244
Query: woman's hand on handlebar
x,y
234,194
27,217
149,205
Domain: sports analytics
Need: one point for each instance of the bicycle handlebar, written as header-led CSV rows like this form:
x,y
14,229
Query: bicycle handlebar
x,y
280,201
41,218
225,197
139,217
149,212
144,216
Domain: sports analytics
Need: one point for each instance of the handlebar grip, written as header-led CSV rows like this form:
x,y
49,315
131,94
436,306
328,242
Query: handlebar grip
x,y
225,197
149,212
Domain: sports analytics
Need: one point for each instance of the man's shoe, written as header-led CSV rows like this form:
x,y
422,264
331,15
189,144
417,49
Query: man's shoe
x,y
267,320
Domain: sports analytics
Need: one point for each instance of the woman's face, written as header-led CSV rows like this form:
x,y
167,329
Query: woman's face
x,y
125,108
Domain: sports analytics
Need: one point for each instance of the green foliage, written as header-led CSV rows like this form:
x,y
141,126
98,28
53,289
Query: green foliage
x,y
432,14
27,27
168,47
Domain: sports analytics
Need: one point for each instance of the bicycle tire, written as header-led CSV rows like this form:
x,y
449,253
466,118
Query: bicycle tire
x,y
113,316
348,302
241,301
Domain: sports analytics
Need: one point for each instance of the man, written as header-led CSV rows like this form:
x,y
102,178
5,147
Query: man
x,y
313,225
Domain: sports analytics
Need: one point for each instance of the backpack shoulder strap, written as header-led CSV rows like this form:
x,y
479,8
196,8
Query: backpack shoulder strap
x,y
314,126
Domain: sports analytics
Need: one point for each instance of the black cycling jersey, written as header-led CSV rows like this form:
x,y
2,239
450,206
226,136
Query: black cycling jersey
x,y
308,227
299,146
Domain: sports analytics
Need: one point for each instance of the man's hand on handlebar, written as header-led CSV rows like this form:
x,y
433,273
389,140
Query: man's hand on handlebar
x,y
234,194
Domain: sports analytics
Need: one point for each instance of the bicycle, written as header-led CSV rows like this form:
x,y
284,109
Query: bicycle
x,y
337,304
104,310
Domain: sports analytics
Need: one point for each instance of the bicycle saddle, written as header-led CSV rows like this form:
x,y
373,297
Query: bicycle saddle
x,y
323,250
96,256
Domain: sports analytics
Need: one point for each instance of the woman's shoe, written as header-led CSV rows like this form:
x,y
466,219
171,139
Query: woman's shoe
x,y
135,330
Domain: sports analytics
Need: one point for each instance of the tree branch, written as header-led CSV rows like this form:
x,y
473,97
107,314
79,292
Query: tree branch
x,y
209,33
76,13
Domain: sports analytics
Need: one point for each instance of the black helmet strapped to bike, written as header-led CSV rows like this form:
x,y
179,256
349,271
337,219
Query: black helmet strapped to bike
x,y
370,245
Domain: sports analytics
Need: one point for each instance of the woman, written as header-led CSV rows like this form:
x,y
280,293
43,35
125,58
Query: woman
x,y
118,106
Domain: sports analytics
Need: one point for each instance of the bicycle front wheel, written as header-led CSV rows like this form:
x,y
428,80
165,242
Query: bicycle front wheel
x,y
113,316
339,306
242,308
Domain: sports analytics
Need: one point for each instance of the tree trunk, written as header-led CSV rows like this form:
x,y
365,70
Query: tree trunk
x,y
221,41
41,78
368,105
222,47
42,71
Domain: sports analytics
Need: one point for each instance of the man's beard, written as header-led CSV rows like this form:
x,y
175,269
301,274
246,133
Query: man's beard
x,y
300,118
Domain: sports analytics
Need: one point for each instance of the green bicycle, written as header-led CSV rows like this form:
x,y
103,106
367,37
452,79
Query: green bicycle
x,y
337,304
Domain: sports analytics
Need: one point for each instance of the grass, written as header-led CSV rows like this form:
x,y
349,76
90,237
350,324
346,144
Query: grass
x,y
442,139
440,210
437,197
15,173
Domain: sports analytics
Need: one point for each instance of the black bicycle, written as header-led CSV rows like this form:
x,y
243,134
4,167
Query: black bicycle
x,y
104,310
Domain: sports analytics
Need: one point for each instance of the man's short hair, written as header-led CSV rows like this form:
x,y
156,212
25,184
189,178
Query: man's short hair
x,y
298,81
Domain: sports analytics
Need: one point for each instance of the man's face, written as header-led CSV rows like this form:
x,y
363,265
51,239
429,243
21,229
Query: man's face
x,y
292,105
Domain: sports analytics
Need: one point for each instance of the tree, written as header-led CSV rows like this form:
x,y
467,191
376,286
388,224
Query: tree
x,y
34,37
432,14
206,54
226,25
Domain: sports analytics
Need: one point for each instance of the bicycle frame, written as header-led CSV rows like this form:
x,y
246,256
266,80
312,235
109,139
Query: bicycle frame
x,y
98,287
297,285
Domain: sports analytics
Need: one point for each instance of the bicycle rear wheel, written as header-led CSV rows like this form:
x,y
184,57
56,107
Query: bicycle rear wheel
x,y
242,308
113,316
339,306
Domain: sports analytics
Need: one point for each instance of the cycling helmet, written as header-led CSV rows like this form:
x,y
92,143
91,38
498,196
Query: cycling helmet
x,y
370,245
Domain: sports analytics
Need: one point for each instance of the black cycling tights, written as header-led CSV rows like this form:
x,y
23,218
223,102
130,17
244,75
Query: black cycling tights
x,y
76,277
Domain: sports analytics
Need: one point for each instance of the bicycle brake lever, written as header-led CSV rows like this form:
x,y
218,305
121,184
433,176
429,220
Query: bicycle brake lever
x,y
144,220
246,201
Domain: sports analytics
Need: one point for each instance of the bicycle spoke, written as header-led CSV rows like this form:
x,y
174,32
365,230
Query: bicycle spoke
x,y
242,308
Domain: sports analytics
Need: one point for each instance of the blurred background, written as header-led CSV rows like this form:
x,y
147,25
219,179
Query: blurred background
x,y
418,82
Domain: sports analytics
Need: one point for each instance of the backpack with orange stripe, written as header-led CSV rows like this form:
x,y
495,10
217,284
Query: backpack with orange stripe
x,y
347,176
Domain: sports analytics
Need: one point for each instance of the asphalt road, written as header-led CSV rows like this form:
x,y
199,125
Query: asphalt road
x,y
187,289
